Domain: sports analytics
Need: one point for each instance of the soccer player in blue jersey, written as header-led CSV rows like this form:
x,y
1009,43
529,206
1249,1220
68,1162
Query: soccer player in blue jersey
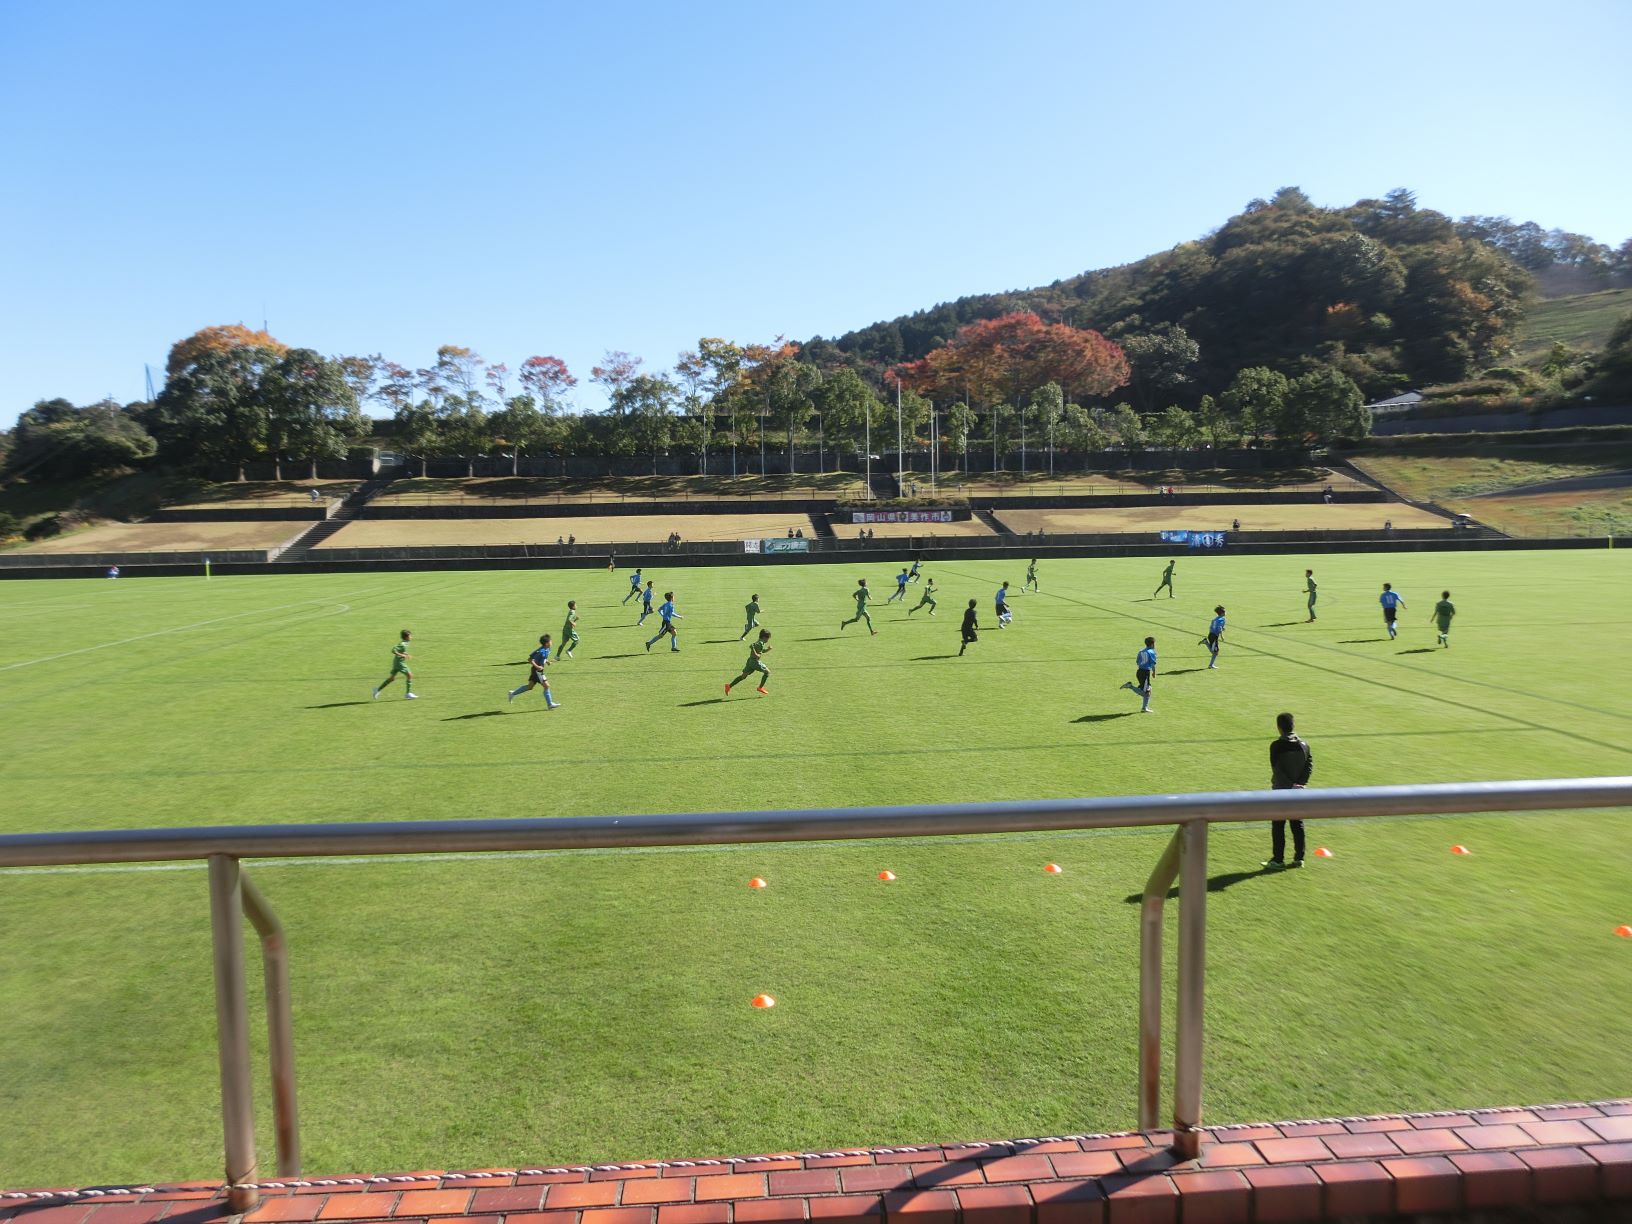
x,y
1004,616
1390,599
917,564
1144,666
900,586
634,585
668,615
537,661
1215,635
645,603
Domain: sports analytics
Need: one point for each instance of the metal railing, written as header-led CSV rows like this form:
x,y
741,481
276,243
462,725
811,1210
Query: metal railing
x,y
1184,859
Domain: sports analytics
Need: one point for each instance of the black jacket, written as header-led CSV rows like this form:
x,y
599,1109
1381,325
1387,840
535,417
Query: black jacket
x,y
1291,762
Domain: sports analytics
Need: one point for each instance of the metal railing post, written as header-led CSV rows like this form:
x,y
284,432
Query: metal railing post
x,y
1150,983
1192,988
279,1026
232,1028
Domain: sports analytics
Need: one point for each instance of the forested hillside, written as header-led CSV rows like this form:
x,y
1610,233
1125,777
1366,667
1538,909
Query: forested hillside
x,y
1390,294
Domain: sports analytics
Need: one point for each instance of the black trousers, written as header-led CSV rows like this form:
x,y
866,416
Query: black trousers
x,y
1277,839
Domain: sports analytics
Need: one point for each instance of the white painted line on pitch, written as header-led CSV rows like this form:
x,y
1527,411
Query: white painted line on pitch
x,y
68,654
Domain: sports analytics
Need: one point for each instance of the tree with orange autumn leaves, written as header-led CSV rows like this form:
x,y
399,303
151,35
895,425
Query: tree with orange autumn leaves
x,y
1003,359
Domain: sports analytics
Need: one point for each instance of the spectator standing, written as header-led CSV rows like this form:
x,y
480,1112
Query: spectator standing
x,y
1291,763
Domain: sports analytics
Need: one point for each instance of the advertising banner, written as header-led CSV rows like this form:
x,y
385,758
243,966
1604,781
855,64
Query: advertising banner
x,y
776,546
900,516
1194,539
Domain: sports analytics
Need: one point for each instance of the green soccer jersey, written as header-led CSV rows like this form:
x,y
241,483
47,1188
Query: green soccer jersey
x,y
862,595
752,610
756,653
399,657
1443,611
567,630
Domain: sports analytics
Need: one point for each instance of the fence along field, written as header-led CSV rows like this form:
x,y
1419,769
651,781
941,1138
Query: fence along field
x,y
476,1011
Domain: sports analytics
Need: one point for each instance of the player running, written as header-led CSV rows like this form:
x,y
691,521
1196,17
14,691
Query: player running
x,y
970,629
1167,579
1215,635
569,630
1443,611
900,586
861,597
926,597
646,597
917,564
1004,616
399,665
1309,589
537,661
668,615
1031,577
1144,665
1390,599
757,650
634,585
750,616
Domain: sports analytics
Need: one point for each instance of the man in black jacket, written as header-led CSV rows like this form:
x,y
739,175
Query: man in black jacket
x,y
1291,762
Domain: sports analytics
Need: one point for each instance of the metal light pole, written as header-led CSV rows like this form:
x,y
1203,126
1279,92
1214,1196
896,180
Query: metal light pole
x,y
867,412
898,455
934,448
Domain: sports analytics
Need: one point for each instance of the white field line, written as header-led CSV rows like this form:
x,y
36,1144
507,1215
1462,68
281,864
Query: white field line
x,y
68,654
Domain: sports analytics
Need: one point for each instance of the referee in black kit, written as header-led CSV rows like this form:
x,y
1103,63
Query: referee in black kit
x,y
1291,762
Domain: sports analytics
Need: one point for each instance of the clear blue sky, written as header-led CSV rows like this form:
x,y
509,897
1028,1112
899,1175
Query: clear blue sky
x,y
568,178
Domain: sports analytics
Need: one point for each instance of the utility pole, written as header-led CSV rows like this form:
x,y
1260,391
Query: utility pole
x,y
898,456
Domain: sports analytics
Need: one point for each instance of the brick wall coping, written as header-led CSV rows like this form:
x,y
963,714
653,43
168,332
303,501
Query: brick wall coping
x,y
1404,1164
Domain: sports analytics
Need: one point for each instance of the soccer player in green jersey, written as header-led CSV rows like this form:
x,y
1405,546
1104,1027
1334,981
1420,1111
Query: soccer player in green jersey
x,y
750,616
969,631
1031,577
1309,589
399,665
569,630
1443,611
1167,580
927,597
861,597
757,650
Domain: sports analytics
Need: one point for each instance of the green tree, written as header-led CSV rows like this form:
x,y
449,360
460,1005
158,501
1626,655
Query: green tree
x,y
789,387
462,430
960,422
213,409
1214,423
1254,397
54,440
312,410
1326,405
1174,429
520,426
1127,427
1043,415
1162,360
414,425
847,406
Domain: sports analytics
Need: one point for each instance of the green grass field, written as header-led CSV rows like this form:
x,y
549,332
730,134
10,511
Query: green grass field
x,y
1582,321
583,1007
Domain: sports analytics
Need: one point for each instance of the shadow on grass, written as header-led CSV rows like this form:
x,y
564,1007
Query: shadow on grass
x,y
925,658
634,655
1093,718
1283,624
834,638
517,663
1418,650
686,705
480,714
1185,671
722,642
338,705
1358,641
1217,883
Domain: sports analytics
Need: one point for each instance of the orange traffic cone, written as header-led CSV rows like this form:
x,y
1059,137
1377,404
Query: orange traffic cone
x,y
1625,932
756,882
1053,869
1460,850
763,1000
886,875
1322,852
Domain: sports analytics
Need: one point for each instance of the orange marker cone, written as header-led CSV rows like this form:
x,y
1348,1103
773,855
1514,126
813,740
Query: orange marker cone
x,y
756,882
1322,852
886,875
1053,869
764,1001
1460,850
1625,932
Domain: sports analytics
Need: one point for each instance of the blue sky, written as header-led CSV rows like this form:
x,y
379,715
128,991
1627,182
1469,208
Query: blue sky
x,y
548,178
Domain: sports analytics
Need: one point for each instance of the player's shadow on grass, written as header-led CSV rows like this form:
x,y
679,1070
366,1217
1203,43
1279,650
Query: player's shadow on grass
x,y
925,658
1417,650
338,705
517,663
686,705
722,642
1185,671
632,655
1217,883
1358,641
834,638
1093,718
1283,624
482,714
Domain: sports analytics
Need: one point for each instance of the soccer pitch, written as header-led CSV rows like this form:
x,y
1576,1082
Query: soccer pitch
x,y
575,1007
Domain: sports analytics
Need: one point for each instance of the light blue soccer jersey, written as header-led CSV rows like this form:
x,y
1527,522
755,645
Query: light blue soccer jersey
x,y
1217,627
1389,599
1147,659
